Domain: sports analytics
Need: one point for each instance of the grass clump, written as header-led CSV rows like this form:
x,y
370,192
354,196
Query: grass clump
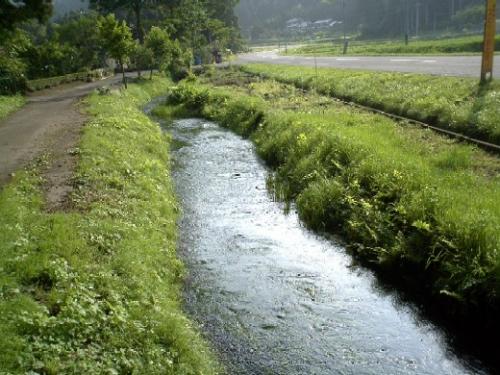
x,y
97,290
409,202
461,45
9,104
456,104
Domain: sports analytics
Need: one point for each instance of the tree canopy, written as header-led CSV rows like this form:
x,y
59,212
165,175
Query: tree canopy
x,y
12,12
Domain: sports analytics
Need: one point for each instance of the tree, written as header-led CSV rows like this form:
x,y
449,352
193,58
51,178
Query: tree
x,y
78,30
13,12
159,43
12,67
137,7
142,58
117,40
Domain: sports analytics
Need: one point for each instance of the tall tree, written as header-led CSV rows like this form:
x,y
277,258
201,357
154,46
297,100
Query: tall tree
x,y
117,40
13,12
137,7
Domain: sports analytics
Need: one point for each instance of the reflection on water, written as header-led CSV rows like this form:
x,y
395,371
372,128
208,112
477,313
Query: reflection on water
x,y
273,297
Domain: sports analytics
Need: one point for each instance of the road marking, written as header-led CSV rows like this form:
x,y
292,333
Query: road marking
x,y
402,60
429,61
347,59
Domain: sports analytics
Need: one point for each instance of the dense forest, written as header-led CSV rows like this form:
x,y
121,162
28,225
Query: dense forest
x,y
261,19
41,39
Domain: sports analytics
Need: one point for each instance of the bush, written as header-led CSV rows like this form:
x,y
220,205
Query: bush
x,y
12,75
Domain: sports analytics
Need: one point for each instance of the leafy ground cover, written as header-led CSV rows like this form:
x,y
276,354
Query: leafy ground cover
x,y
462,45
95,289
457,104
413,204
9,104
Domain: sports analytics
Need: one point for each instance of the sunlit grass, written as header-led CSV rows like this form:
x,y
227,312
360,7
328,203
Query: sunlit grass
x,y
97,290
456,104
461,45
405,199
9,104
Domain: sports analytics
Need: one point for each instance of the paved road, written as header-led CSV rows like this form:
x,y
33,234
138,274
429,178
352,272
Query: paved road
x,y
466,66
46,119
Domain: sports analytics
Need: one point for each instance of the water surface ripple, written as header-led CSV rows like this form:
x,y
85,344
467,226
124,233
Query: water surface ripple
x,y
273,297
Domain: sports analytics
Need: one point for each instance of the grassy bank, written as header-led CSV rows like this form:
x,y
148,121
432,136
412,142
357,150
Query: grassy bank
x,y
409,202
9,104
463,45
95,290
456,104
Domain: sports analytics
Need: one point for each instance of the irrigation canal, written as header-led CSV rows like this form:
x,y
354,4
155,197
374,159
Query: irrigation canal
x,y
274,298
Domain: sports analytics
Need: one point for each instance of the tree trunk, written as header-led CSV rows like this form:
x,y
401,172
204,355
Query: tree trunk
x,y
123,75
151,74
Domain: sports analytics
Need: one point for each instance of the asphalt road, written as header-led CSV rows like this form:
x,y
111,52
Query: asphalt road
x,y
462,66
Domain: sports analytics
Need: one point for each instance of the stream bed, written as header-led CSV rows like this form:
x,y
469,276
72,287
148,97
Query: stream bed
x,y
270,295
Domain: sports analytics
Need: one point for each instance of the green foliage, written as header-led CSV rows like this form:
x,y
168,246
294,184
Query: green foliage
x,y
461,45
96,290
142,57
407,200
9,104
158,41
168,54
51,59
12,66
115,37
14,12
456,104
468,18
79,30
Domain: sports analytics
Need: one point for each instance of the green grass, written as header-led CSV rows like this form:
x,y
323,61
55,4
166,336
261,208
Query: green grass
x,y
462,45
9,104
456,104
414,204
96,290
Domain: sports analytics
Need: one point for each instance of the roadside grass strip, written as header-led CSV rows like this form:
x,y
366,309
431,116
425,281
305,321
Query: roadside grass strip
x,y
456,104
96,290
460,45
411,203
9,104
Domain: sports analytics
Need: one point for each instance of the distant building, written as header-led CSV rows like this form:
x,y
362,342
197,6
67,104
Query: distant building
x,y
299,25
294,21
322,24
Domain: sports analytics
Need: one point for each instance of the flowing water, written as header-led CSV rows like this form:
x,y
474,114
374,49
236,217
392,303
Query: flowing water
x,y
273,297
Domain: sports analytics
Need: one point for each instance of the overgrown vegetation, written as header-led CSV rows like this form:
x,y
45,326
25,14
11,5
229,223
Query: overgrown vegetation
x,y
461,45
456,104
95,290
419,206
9,104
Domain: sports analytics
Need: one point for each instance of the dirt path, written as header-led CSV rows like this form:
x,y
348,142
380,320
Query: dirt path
x,y
50,121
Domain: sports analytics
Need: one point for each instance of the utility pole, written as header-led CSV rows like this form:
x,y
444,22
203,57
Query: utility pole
x,y
344,27
489,41
407,23
417,18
